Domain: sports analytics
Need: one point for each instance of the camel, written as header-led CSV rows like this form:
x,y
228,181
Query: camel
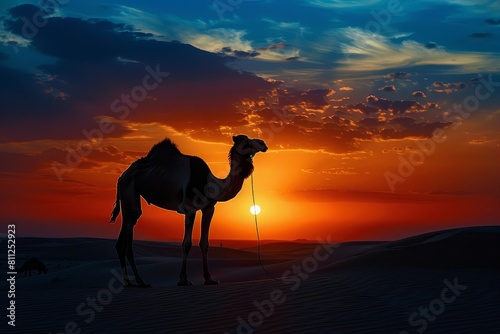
x,y
32,264
173,181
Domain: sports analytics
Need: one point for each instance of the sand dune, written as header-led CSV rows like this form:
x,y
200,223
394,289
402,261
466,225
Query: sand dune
x,y
357,287
457,248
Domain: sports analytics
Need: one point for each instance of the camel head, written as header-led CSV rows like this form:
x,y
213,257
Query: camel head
x,y
248,147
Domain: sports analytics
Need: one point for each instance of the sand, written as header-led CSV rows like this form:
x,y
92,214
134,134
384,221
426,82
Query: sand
x,y
440,282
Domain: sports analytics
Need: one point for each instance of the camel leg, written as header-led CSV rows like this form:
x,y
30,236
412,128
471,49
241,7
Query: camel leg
x,y
205,227
131,259
121,250
186,246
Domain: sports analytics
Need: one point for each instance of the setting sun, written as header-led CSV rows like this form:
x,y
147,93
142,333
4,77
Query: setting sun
x,y
255,209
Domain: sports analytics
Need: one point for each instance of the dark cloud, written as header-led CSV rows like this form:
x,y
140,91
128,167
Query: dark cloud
x,y
481,35
403,121
398,75
419,93
450,87
410,129
398,107
335,195
277,46
402,106
76,39
369,122
98,62
314,98
363,108
431,45
388,88
494,22
90,74
400,128
26,10
227,51
41,164
19,163
245,54
342,132
292,58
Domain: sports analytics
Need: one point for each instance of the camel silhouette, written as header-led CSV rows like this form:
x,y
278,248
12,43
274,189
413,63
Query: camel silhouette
x,y
32,264
173,181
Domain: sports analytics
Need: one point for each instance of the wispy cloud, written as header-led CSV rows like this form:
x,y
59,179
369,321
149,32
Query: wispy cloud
x,y
366,51
341,3
216,39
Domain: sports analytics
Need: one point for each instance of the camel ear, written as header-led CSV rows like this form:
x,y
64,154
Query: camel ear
x,y
239,138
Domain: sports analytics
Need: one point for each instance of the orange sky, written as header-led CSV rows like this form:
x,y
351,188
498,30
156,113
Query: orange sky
x,y
303,193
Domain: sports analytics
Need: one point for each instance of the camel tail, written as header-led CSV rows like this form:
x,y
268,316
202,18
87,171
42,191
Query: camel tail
x,y
116,208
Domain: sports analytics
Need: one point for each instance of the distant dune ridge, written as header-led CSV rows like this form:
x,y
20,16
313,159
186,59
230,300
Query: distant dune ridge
x,y
354,287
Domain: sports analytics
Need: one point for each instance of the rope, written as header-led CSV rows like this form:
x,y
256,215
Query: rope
x,y
257,231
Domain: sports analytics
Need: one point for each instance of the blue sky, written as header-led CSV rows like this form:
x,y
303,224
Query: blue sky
x,y
322,40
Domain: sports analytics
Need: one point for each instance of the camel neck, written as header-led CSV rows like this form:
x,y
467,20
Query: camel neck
x,y
227,188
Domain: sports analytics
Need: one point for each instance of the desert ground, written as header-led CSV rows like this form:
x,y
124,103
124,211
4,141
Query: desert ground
x,y
439,282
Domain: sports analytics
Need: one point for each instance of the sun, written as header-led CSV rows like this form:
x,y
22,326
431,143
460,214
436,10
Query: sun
x,y
255,209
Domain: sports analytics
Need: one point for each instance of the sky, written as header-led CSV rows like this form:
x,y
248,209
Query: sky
x,y
382,117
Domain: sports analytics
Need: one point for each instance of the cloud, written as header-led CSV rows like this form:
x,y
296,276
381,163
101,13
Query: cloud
x,y
367,52
398,75
407,127
481,141
431,45
280,25
245,54
345,88
398,107
419,93
19,163
451,87
280,45
88,74
337,4
310,98
493,22
215,39
363,108
388,88
294,116
278,52
481,35
336,195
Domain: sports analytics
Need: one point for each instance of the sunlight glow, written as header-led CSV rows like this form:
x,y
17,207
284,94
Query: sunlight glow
x,y
255,209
